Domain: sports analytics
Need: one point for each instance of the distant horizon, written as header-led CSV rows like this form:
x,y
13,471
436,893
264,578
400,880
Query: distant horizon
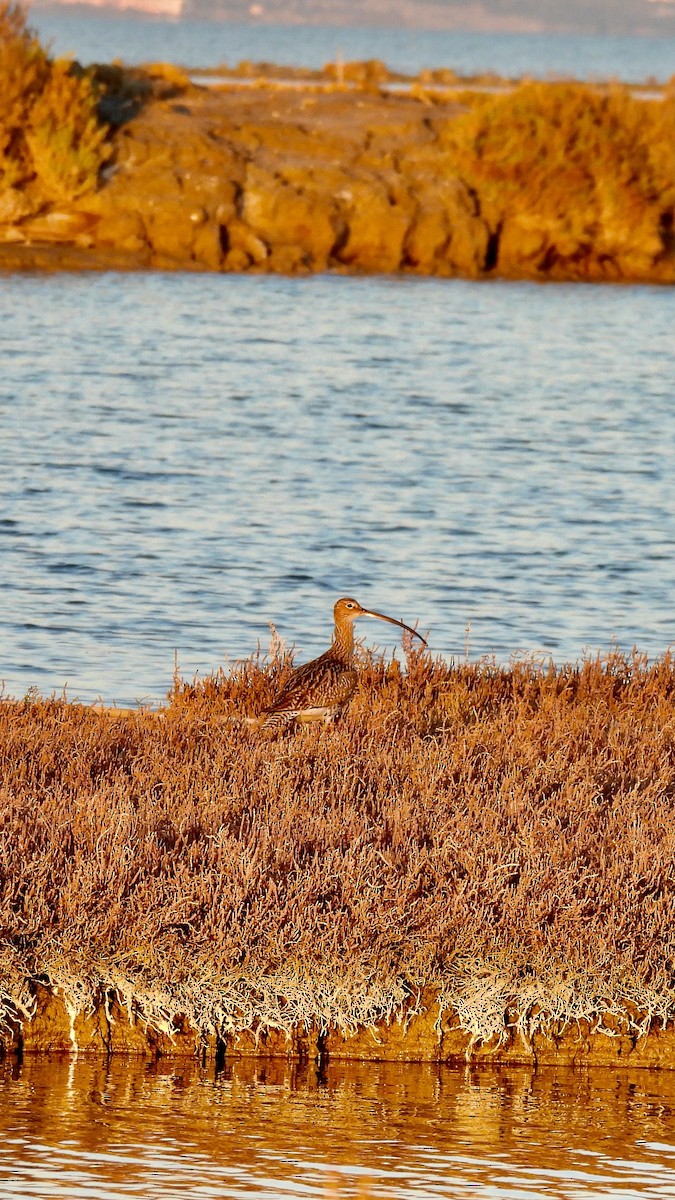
x,y
613,18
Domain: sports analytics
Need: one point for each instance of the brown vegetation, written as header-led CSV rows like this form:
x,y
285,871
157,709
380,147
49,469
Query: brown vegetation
x,y
501,839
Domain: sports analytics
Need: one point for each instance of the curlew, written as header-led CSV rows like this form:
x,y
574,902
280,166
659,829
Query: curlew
x,y
319,690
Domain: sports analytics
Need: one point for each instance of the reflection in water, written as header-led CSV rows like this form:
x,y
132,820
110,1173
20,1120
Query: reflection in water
x,y
76,1128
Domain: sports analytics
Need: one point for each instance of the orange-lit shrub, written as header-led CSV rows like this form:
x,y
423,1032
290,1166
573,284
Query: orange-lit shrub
x,y
51,141
581,168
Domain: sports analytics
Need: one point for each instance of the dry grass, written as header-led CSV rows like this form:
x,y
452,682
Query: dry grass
x,y
506,836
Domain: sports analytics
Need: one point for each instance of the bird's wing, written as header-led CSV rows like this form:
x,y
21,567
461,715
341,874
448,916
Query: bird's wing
x,y
324,681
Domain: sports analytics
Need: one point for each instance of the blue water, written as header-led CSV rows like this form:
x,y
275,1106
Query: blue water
x,y
184,459
100,37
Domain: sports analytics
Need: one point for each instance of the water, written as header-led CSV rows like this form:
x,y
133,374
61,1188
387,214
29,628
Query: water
x,y
107,1130
185,458
100,37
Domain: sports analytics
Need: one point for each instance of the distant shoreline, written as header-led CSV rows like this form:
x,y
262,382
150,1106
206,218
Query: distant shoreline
x,y
424,16
361,170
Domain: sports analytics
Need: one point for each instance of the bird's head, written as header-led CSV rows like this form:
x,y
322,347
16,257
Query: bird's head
x,y
347,610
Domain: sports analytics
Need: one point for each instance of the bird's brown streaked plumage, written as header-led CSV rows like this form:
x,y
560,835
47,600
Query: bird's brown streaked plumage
x,y
319,689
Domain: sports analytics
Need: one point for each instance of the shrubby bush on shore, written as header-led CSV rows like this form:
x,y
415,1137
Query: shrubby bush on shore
x,y
571,172
52,143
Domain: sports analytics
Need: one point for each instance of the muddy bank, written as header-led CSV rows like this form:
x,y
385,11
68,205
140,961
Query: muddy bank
x,y
425,1031
304,176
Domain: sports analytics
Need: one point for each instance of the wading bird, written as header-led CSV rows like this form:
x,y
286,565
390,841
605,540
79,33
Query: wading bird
x,y
319,690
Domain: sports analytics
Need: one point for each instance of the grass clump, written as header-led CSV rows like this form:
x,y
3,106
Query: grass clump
x,y
504,837
52,143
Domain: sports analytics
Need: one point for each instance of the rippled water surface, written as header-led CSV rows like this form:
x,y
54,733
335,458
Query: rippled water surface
x,y
106,1131
185,458
100,37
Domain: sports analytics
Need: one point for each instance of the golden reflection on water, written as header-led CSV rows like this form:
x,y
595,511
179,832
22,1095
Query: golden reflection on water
x,y
87,1127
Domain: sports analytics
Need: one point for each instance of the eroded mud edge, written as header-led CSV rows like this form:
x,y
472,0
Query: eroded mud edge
x,y
425,1033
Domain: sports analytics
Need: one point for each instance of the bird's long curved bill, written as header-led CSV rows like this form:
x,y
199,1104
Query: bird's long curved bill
x,y
367,612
